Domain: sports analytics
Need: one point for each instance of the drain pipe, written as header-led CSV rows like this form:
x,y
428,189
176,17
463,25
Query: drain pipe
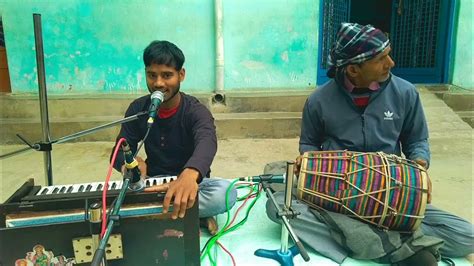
x,y
219,96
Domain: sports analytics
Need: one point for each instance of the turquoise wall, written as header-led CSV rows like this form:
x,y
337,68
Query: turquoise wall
x,y
463,74
96,46
270,43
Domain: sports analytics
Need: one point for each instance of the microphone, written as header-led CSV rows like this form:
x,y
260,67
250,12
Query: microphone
x,y
156,100
131,164
265,178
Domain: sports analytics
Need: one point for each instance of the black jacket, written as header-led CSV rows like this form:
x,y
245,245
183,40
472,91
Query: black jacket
x,y
185,140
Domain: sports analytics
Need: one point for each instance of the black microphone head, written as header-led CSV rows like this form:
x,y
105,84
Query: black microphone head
x,y
156,99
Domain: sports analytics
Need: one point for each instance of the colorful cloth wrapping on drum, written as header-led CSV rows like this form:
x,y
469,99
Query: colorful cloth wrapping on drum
x,y
364,241
375,187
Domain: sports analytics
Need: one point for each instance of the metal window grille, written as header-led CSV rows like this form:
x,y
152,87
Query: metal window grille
x,y
414,33
335,12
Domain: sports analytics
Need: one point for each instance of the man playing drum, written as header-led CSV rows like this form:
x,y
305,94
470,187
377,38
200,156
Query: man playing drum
x,y
365,108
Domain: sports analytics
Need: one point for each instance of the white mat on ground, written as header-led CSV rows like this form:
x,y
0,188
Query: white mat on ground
x,y
259,232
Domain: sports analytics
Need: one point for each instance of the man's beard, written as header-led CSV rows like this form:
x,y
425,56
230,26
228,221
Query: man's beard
x,y
176,91
386,78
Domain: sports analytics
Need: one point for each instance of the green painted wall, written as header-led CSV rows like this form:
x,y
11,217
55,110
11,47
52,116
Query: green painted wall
x,y
96,46
463,74
271,43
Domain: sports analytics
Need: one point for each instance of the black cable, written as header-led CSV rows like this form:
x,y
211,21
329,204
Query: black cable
x,y
143,141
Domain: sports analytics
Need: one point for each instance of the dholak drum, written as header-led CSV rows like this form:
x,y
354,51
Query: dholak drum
x,y
384,190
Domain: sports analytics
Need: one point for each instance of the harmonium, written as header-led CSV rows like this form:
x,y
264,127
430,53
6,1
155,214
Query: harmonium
x,y
57,225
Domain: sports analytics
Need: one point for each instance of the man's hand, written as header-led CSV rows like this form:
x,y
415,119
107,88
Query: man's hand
x,y
298,165
141,166
183,191
422,163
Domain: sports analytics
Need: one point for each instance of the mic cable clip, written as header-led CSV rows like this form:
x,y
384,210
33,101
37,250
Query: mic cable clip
x,y
288,213
39,146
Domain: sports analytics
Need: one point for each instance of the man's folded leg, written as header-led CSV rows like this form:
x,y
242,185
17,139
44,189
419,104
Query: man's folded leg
x,y
457,233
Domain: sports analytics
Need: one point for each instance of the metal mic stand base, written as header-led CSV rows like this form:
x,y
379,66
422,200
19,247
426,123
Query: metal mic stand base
x,y
284,258
284,255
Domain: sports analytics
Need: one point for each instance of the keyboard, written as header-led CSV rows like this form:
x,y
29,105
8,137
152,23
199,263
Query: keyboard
x,y
29,193
98,186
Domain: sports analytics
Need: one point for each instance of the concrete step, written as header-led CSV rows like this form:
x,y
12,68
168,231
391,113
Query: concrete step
x,y
258,125
460,101
30,128
27,106
467,116
237,115
248,102
443,118
228,125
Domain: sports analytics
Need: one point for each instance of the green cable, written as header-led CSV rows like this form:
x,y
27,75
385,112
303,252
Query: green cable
x,y
211,242
227,207
227,210
251,189
214,239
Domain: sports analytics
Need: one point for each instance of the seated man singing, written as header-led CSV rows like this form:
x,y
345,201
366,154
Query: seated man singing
x,y
182,140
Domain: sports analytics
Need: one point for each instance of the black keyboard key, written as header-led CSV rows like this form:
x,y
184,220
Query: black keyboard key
x,y
55,190
81,188
69,189
62,190
45,190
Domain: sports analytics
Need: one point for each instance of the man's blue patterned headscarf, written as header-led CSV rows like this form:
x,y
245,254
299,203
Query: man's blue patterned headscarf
x,y
355,44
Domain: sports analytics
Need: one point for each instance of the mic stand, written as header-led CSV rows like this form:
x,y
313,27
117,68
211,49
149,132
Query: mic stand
x,y
95,220
47,146
113,217
284,255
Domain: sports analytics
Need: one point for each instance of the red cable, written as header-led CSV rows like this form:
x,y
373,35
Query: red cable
x,y
238,210
226,251
249,196
106,186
